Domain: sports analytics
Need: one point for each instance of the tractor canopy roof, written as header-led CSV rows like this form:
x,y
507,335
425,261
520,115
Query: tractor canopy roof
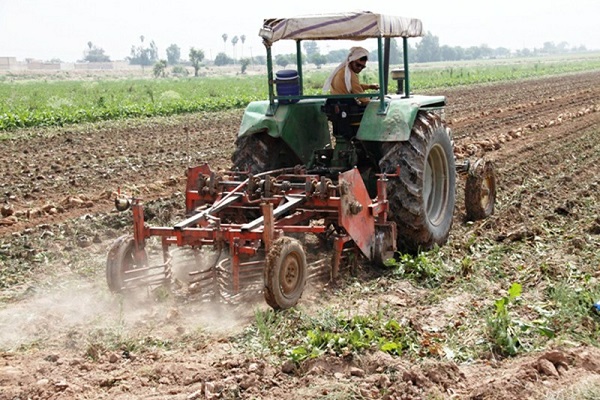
x,y
347,26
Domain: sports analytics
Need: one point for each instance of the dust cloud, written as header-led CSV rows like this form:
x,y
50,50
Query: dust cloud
x,y
74,314
47,312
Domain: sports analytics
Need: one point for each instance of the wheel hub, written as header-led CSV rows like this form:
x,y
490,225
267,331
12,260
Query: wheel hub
x,y
486,189
435,186
290,275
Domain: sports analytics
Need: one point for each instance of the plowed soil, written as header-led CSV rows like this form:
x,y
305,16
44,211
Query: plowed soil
x,y
58,222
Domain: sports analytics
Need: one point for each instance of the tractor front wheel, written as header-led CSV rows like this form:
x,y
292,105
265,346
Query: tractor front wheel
x,y
285,273
422,198
480,191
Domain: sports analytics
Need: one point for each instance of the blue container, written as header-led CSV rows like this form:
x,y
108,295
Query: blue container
x,y
287,84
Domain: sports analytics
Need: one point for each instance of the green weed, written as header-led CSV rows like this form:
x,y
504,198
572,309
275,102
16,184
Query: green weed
x,y
299,337
424,269
508,333
353,335
574,309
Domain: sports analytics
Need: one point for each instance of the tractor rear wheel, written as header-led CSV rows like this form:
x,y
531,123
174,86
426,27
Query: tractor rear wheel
x,y
285,273
260,152
422,199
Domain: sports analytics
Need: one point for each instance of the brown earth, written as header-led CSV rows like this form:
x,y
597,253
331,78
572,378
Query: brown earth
x,y
57,319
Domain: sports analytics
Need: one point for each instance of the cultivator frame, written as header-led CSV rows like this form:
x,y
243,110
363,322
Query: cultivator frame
x,y
281,204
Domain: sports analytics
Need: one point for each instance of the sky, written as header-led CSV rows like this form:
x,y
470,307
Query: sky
x,y
50,29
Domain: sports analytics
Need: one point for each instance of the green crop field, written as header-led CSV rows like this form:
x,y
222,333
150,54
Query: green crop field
x,y
47,103
53,102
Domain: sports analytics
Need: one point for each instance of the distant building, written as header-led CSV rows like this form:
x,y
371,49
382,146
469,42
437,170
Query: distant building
x,y
41,65
8,63
94,65
32,64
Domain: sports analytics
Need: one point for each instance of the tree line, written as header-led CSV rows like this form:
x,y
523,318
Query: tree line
x,y
428,49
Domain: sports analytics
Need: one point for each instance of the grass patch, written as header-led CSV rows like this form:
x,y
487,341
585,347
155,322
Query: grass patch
x,y
297,336
508,334
425,269
575,317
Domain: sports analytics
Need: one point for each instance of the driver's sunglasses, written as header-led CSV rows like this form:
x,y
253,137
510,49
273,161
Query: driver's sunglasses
x,y
360,65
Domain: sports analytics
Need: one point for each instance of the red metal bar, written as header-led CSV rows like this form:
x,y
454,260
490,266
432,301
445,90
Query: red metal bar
x,y
235,265
302,229
338,247
381,207
138,223
268,229
139,233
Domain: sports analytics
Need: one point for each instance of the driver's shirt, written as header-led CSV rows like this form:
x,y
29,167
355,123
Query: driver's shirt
x,y
338,85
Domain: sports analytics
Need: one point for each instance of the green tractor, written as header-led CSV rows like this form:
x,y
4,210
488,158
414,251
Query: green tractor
x,y
330,134
363,181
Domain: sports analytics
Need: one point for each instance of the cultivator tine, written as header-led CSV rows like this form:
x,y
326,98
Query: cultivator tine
x,y
144,269
250,279
136,281
145,281
205,289
201,276
319,270
193,269
246,295
203,283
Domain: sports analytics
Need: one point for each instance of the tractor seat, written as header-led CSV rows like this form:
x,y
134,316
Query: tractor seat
x,y
345,116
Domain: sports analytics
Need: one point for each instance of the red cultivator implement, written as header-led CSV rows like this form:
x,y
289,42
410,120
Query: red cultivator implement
x,y
255,222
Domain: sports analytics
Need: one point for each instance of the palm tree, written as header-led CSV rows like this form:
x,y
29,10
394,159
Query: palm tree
x,y
142,52
225,42
234,41
243,39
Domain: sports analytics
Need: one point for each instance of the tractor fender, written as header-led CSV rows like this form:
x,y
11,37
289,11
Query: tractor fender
x,y
255,120
302,125
396,122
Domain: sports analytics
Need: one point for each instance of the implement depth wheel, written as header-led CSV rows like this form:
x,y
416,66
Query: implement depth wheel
x,y
121,265
480,191
285,273
422,199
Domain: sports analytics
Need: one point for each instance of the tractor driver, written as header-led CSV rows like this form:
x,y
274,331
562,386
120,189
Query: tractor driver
x,y
344,79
